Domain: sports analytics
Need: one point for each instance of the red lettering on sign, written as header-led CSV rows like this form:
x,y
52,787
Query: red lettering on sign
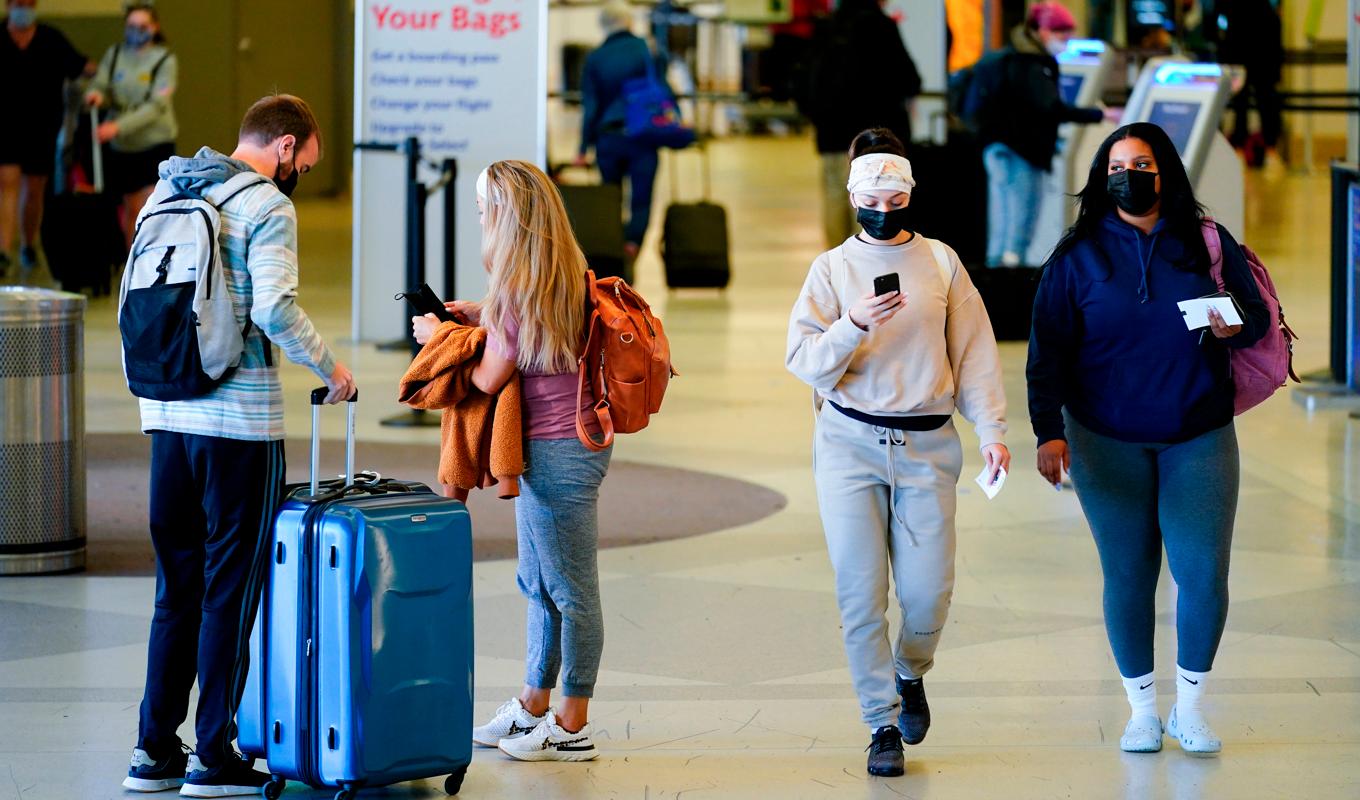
x,y
496,26
404,20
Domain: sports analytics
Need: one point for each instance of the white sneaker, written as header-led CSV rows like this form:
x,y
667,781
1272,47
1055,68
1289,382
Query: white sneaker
x,y
1195,735
1010,260
549,742
1142,735
511,722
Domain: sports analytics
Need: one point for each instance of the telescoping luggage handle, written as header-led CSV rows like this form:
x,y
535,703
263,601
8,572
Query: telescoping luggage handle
x,y
319,399
96,152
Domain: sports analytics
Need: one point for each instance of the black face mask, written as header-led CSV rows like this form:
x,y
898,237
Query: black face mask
x,y
288,184
1133,190
882,225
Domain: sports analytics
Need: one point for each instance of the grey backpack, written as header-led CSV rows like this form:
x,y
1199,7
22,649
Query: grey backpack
x,y
175,313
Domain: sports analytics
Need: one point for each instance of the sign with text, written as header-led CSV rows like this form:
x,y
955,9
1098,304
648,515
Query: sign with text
x,y
469,80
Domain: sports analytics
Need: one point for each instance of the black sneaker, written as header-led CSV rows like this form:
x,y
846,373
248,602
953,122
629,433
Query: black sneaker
x,y
4,264
885,753
235,777
915,715
146,774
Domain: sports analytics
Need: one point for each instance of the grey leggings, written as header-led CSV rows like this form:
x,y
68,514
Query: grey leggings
x,y
1139,497
557,517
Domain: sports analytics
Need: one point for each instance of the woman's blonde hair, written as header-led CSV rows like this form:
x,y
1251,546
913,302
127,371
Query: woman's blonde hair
x,y
537,270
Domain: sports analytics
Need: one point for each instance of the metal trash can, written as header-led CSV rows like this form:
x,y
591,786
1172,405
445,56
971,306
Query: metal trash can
x,y
42,431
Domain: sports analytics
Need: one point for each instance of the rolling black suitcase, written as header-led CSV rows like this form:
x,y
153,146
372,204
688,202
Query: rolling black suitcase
x,y
596,214
694,243
81,236
949,202
1008,294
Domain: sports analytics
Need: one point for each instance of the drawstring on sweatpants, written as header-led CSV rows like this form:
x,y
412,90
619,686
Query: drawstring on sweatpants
x,y
895,438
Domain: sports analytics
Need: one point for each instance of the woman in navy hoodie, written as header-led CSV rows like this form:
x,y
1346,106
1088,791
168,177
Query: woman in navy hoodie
x,y
1140,410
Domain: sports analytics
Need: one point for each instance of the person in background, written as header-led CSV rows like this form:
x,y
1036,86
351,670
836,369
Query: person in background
x,y
1016,107
1253,37
888,371
791,45
860,76
217,462
535,317
136,82
1100,19
623,57
1140,410
36,61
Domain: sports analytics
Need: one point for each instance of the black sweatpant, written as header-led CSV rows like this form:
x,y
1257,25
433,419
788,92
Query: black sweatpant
x,y
213,502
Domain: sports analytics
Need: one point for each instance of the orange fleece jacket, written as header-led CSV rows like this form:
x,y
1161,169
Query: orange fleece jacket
x,y
481,436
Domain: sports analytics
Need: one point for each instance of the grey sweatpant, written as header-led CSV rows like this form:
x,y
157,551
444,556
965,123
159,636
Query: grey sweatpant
x,y
887,500
558,524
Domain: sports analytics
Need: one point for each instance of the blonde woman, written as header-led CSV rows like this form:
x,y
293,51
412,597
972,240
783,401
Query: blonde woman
x,y
535,316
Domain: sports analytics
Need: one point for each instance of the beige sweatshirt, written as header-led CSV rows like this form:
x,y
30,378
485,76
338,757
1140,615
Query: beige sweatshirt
x,y
937,354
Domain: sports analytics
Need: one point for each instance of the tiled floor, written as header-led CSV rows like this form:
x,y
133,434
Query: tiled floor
x,y
724,670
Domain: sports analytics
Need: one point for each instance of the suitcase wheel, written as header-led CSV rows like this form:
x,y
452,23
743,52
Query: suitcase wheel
x,y
347,793
454,782
274,789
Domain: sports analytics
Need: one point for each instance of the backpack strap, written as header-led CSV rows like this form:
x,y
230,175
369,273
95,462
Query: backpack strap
x,y
1214,244
583,369
155,70
942,264
237,184
113,71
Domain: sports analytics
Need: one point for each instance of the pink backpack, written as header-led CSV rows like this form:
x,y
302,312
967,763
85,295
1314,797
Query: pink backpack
x,y
1259,370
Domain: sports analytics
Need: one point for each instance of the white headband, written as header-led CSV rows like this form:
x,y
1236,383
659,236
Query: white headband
x,y
880,171
482,185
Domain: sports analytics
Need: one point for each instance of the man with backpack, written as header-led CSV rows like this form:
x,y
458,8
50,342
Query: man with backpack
x,y
203,363
1015,108
623,59
860,77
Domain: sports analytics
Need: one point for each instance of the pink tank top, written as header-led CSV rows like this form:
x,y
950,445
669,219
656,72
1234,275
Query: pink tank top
x,y
549,399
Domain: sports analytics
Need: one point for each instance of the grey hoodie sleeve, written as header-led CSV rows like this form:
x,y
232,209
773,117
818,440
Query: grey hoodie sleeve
x,y
979,392
822,339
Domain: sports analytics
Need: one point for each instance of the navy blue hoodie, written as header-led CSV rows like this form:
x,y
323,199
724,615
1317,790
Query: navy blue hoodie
x,y
1110,345
622,58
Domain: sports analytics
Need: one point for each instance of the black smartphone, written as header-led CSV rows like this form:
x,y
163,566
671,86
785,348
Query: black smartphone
x,y
425,301
884,284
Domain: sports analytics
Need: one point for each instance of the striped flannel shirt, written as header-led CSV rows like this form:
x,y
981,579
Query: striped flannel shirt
x,y
258,241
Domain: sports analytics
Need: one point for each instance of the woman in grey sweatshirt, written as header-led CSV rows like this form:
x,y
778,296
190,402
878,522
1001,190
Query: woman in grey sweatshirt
x,y
889,369
136,82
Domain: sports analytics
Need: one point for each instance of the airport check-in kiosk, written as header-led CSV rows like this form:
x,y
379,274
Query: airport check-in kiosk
x,y
1083,70
1188,101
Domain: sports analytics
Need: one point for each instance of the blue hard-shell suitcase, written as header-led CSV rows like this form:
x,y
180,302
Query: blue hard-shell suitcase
x,y
361,656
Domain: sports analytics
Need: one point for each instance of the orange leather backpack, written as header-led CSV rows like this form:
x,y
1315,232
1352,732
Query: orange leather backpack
x,y
626,361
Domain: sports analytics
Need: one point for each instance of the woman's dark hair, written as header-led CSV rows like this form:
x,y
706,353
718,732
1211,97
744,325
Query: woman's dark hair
x,y
876,140
1184,216
149,8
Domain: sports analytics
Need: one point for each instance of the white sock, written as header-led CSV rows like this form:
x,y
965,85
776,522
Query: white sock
x,y
1142,694
1189,693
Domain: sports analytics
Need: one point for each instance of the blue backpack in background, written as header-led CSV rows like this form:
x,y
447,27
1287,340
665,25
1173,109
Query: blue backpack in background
x,y
651,116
